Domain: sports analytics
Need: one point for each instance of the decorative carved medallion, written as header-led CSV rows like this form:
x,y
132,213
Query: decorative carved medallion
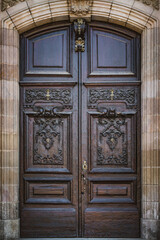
x,y
9,3
113,132
111,160
46,130
79,28
154,3
62,95
80,7
127,95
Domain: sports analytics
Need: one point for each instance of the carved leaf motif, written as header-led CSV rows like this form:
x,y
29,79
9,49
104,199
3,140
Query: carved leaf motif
x,y
128,95
48,160
80,7
63,95
111,160
112,132
45,131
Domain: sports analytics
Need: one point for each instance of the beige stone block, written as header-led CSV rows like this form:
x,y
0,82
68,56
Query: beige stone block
x,y
117,21
9,193
10,93
10,37
128,3
135,26
1,30
9,124
22,19
155,14
150,193
58,9
10,72
137,18
149,158
41,21
10,176
26,27
10,55
45,18
147,9
41,11
101,9
150,175
150,210
11,229
8,24
121,13
32,3
150,229
21,6
10,158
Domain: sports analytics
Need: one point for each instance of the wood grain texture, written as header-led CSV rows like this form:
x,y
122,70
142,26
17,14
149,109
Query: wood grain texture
x,y
80,133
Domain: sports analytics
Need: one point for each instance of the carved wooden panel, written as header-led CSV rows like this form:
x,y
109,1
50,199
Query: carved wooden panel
x,y
127,95
47,190
60,95
112,54
48,141
112,190
112,142
47,53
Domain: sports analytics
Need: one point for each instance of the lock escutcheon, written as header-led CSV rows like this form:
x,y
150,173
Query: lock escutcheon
x,y
84,167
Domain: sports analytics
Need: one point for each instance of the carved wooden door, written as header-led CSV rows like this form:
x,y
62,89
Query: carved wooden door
x,y
80,132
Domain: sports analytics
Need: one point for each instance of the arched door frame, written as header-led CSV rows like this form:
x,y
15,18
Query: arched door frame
x,y
27,15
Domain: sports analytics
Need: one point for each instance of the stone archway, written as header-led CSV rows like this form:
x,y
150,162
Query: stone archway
x,y
29,14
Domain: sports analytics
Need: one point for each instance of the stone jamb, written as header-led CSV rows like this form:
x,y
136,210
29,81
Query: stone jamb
x,y
131,15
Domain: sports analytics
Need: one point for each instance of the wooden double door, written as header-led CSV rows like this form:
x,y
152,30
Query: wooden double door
x,y
80,131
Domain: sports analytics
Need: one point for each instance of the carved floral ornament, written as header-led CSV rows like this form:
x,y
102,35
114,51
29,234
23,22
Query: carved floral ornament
x,y
77,7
